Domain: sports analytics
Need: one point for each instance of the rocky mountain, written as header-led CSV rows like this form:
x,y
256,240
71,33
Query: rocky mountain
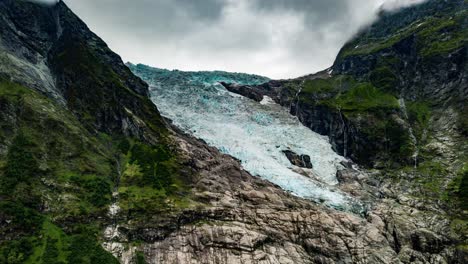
x,y
417,55
90,172
395,102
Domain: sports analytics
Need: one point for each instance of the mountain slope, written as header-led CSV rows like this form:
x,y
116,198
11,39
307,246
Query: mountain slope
x,y
392,62
88,163
72,116
51,50
417,54
91,173
395,101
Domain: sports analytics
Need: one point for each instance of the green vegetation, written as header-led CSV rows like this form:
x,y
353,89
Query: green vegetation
x,y
427,179
140,258
12,90
21,167
458,188
51,159
462,121
371,107
84,248
318,86
96,190
459,226
384,78
345,93
22,218
50,246
419,114
434,36
142,199
15,251
152,180
431,175
442,35
53,246
157,168
365,97
110,92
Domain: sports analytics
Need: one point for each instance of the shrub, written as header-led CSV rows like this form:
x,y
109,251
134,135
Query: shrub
x,y
364,97
124,145
462,191
16,251
97,190
21,164
384,78
85,249
22,218
140,258
51,252
154,165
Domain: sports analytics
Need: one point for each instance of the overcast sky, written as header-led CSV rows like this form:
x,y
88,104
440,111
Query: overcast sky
x,y
275,38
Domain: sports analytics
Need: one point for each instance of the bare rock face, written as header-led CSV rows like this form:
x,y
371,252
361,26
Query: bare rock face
x,y
302,161
244,219
49,49
253,221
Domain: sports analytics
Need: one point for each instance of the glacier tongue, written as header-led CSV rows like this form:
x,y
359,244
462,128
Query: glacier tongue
x,y
255,133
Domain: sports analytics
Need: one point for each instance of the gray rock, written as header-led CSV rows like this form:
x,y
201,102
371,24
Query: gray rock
x,y
302,161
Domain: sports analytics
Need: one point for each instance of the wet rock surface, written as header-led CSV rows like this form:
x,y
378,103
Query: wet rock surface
x,y
302,161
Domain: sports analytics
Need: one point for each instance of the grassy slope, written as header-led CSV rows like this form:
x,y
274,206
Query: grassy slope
x,y
59,166
57,181
437,34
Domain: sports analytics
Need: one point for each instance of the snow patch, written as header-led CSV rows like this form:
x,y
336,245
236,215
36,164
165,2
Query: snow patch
x,y
267,100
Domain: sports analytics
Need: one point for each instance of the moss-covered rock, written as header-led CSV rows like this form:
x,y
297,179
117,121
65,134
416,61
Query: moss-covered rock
x,y
72,118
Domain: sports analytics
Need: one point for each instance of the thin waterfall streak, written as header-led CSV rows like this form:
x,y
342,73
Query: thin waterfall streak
x,y
413,138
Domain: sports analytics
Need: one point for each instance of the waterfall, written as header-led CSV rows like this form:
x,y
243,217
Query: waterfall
x,y
345,135
114,240
413,138
296,99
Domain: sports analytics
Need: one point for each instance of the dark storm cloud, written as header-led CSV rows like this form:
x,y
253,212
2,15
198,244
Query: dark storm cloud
x,y
150,17
317,12
205,10
277,38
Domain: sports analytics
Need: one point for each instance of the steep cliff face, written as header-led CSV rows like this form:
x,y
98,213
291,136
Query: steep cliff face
x,y
71,114
419,53
91,173
395,101
398,70
51,50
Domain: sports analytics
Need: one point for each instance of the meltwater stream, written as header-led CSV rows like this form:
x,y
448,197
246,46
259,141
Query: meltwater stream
x,y
255,133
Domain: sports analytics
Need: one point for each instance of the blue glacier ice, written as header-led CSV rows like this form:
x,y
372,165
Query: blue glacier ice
x,y
255,133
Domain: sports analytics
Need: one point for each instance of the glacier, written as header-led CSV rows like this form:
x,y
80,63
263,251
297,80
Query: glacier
x,y
255,133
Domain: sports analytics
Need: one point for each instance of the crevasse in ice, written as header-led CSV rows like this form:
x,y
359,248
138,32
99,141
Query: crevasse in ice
x,y
255,133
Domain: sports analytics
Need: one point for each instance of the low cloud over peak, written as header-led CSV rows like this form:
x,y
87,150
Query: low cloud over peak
x,y
276,38
397,4
47,2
